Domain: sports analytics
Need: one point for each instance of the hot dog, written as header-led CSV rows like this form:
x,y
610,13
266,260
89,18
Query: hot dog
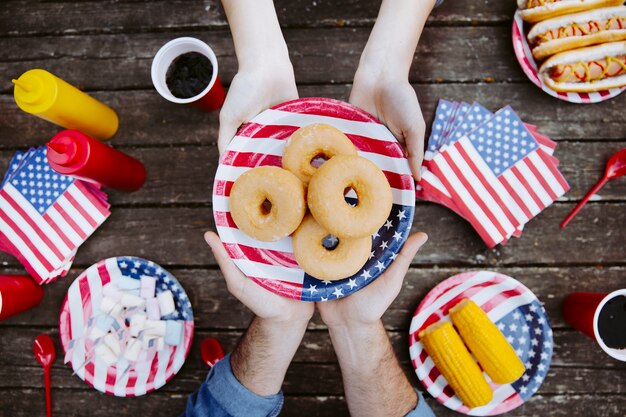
x,y
577,30
584,70
537,10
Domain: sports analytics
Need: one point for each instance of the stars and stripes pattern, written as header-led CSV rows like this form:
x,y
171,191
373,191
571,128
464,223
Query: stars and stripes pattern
x,y
516,312
80,307
529,66
46,216
261,142
494,170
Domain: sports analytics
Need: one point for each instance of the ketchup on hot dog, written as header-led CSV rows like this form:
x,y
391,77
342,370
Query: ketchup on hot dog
x,y
589,71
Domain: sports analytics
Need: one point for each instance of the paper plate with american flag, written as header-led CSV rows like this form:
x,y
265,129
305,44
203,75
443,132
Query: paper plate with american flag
x,y
518,314
531,68
260,142
79,311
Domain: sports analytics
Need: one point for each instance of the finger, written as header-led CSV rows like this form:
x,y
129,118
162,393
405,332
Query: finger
x,y
228,129
233,276
415,148
397,270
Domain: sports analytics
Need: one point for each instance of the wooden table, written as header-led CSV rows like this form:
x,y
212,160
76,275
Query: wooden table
x,y
106,47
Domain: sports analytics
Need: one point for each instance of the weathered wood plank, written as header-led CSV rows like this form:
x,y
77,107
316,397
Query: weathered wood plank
x,y
105,62
147,119
29,402
214,308
22,18
572,349
174,236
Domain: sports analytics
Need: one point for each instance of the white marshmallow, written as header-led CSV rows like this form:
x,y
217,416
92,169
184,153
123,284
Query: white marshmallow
x,y
129,300
152,308
113,343
160,344
155,328
137,324
148,342
103,352
173,332
148,285
110,307
111,291
127,283
133,348
96,333
104,322
166,303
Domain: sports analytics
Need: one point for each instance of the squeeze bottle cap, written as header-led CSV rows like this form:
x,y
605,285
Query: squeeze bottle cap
x,y
62,148
35,91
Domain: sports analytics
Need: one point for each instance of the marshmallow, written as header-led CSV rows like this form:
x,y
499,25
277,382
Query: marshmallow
x,y
173,332
148,285
148,342
133,348
137,324
129,300
111,291
166,303
155,328
136,292
104,322
152,308
105,354
110,307
113,343
127,283
96,333
160,344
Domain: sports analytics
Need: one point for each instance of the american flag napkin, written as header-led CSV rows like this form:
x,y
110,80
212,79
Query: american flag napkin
x,y
493,169
46,216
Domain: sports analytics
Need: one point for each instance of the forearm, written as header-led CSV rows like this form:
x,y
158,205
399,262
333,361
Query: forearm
x,y
263,355
395,35
256,33
374,383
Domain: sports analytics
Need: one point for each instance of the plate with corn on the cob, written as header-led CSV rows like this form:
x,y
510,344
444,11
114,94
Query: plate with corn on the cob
x,y
481,343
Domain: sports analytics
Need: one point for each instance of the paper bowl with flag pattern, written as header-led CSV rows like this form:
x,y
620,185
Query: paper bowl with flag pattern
x,y
518,314
261,142
530,67
81,307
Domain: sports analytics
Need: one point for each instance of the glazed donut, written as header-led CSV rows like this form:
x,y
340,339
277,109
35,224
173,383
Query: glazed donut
x,y
267,203
326,196
345,260
310,142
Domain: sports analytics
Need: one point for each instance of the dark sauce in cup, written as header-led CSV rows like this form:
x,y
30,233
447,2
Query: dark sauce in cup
x,y
612,323
189,74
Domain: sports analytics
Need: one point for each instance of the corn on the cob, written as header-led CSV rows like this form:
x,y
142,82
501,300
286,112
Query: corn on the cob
x,y
486,342
455,363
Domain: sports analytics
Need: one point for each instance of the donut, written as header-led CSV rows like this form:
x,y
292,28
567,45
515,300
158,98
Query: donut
x,y
267,203
345,260
314,141
326,196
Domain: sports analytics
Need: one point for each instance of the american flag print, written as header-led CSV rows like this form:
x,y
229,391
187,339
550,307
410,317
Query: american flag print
x,y
526,60
260,142
516,312
46,216
81,307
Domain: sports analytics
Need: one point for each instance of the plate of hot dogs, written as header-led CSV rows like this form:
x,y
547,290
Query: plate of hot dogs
x,y
574,50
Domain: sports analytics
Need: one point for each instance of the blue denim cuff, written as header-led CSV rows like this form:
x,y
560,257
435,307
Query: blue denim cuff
x,y
438,3
422,409
222,395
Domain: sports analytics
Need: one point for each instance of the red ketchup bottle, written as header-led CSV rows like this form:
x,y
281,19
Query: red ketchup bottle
x,y
73,153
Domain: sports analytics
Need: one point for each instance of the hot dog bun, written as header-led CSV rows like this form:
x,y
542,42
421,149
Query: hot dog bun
x,y
554,8
576,38
586,55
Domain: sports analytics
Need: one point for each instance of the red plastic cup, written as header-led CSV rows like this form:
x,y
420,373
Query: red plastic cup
x,y
211,98
18,293
582,310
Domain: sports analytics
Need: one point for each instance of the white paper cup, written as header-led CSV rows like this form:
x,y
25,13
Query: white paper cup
x,y
619,354
211,98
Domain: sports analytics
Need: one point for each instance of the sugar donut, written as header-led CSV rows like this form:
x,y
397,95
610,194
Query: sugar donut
x,y
345,260
326,196
310,142
250,211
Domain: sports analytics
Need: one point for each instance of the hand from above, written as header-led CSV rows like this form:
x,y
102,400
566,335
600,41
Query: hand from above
x,y
263,303
367,306
253,90
394,102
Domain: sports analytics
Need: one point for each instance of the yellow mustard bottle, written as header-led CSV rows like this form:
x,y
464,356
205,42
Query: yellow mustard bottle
x,y
45,95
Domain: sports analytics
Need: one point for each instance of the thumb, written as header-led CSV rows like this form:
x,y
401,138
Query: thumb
x,y
228,129
415,148
397,270
233,276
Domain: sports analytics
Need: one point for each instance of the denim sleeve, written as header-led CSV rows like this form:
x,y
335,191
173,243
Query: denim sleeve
x,y
438,3
422,409
222,395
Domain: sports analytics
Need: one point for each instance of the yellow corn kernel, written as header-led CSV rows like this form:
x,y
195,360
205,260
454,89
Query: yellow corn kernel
x,y
486,342
455,363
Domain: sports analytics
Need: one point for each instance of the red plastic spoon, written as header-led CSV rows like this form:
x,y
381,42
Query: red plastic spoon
x,y
616,167
211,351
45,354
